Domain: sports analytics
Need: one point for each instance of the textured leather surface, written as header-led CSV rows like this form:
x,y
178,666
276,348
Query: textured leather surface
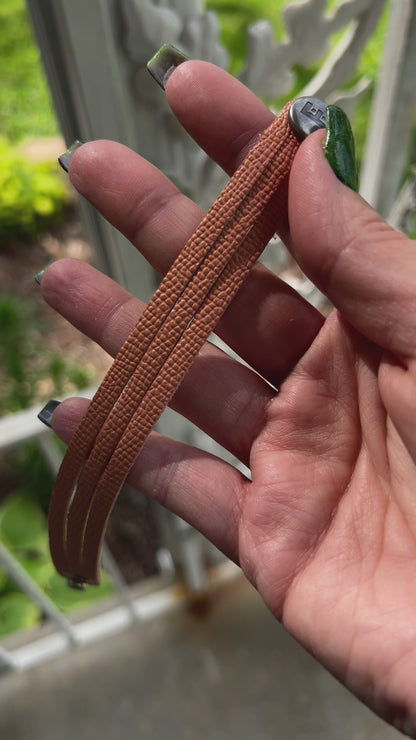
x,y
152,362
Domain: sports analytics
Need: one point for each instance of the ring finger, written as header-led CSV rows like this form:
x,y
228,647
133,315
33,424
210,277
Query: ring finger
x,y
218,394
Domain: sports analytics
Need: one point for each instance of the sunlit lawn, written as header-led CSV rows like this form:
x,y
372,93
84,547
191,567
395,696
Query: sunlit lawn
x,y
25,109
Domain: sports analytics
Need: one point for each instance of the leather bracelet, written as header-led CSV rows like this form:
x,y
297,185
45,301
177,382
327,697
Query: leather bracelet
x,y
154,359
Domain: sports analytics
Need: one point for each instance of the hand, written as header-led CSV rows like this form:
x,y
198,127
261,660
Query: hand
x,y
326,528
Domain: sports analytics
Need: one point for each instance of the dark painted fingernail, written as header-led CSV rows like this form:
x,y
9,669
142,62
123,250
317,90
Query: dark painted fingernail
x,y
40,274
45,415
164,63
339,147
65,158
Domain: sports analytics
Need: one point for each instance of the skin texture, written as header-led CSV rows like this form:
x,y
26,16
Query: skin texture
x,y
326,529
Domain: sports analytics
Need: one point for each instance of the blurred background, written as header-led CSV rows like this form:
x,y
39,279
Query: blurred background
x,y
192,650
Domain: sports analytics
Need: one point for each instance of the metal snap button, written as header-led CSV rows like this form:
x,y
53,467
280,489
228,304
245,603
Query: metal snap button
x,y
307,115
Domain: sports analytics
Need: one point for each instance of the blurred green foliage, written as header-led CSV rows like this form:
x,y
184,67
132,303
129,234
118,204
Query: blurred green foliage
x,y
236,15
23,531
24,364
33,196
25,104
25,361
234,18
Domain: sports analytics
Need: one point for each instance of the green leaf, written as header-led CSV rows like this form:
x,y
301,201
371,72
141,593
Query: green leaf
x,y
23,525
17,612
39,568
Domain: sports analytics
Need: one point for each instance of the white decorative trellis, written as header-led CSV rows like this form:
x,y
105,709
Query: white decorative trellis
x,y
95,54
268,69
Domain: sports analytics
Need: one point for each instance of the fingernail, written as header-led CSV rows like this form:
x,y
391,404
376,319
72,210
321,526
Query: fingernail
x,y
65,158
339,147
40,274
164,63
45,415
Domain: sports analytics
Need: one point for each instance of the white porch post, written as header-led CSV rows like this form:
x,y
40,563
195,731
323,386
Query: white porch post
x,y
393,111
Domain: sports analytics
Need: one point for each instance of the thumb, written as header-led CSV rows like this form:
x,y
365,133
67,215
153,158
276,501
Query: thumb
x,y
366,268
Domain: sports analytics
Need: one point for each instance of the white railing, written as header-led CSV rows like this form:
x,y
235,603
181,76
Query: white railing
x,y
128,604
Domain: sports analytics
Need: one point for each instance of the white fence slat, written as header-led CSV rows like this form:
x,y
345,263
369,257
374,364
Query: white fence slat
x,y
393,111
22,426
30,588
6,660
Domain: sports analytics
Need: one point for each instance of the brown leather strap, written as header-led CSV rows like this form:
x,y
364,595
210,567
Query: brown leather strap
x,y
154,359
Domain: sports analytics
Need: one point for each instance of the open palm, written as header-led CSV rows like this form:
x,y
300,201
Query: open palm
x,y
326,527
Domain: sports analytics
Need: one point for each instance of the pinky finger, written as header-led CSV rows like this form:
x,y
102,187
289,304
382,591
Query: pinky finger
x,y
202,489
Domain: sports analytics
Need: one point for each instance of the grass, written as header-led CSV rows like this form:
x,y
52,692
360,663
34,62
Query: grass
x,y
25,105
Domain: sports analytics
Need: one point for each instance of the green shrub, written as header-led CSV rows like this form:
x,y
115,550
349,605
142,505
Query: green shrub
x,y
23,530
25,104
17,612
23,526
33,196
25,363
15,351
